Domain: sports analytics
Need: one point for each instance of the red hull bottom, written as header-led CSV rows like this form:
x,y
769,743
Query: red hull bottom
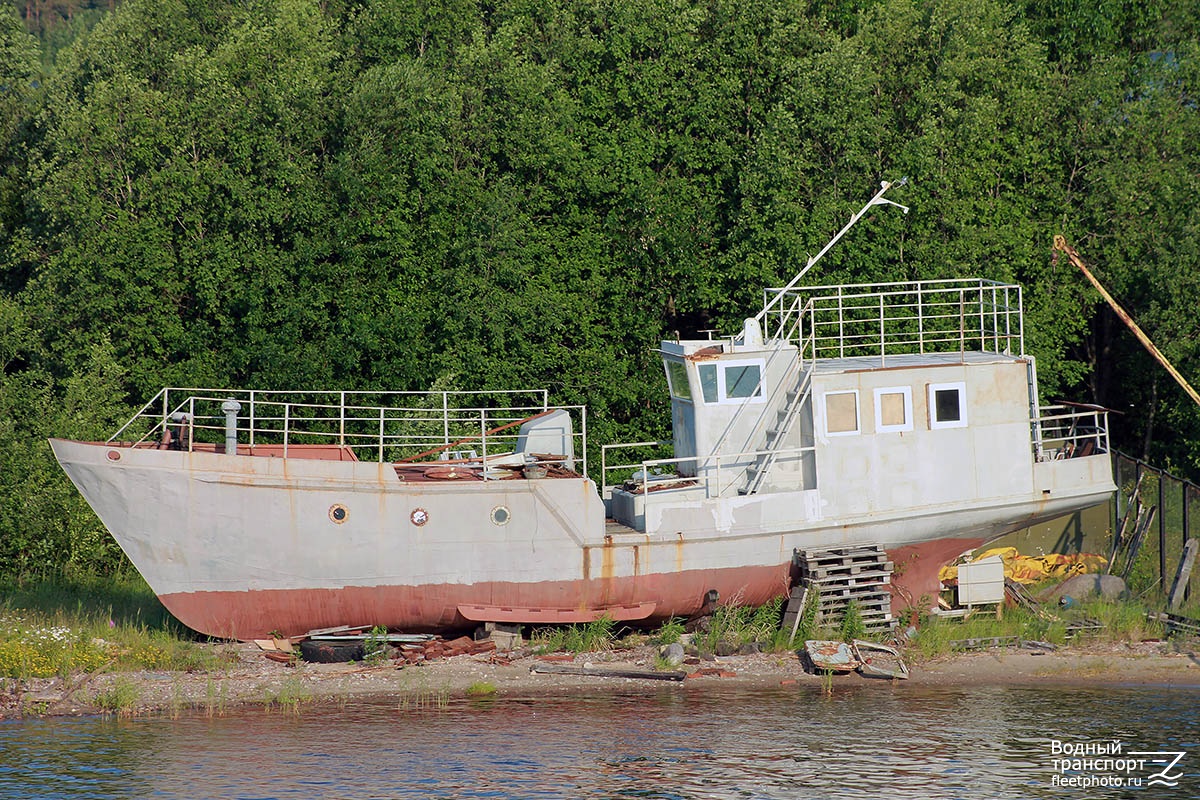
x,y
647,598
644,599
915,568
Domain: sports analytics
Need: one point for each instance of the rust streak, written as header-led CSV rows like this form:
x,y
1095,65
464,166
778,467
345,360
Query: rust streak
x,y
606,559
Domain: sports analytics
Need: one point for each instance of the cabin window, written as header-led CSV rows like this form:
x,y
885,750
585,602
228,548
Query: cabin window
x,y
743,381
677,378
708,382
841,413
732,382
947,405
893,409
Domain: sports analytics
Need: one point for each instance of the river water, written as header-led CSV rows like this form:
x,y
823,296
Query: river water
x,y
690,741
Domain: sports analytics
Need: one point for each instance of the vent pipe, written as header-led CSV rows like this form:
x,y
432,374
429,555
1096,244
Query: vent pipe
x,y
231,408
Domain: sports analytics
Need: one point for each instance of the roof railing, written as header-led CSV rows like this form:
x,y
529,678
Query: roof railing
x,y
887,319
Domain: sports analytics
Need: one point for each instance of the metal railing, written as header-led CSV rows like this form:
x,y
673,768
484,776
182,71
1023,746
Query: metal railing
x,y
1064,432
717,473
375,426
888,319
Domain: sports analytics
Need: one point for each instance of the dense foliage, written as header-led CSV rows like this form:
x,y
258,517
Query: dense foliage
x,y
408,194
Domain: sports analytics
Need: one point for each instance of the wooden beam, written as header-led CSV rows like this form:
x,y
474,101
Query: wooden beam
x,y
1061,245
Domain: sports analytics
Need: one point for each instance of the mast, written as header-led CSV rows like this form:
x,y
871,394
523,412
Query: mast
x,y
877,200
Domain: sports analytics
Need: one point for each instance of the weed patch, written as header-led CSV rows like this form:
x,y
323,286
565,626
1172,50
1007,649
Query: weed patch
x,y
120,698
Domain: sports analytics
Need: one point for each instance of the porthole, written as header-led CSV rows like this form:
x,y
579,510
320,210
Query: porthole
x,y
419,517
500,515
338,513
113,455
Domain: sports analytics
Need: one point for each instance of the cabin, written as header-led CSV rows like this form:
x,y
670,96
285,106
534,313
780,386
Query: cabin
x,y
855,403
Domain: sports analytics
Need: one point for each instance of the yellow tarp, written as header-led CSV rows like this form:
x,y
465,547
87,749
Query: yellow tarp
x,y
1033,569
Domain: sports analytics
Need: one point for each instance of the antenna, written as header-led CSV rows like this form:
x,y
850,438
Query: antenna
x,y
877,200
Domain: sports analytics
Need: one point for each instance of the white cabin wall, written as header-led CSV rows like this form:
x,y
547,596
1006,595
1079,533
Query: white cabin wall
x,y
881,471
741,427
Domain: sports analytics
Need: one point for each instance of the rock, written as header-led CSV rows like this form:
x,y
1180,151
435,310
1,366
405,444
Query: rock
x,y
725,648
749,649
672,654
1109,587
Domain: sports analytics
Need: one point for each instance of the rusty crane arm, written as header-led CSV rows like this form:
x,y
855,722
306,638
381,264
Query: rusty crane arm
x,y
1061,245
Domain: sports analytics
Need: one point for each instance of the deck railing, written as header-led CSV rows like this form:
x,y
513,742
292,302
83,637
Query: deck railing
x,y
889,319
720,474
1069,432
376,426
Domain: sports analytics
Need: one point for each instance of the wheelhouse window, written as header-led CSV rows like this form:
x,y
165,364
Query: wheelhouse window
x,y
743,381
947,405
893,409
708,382
732,382
841,413
677,379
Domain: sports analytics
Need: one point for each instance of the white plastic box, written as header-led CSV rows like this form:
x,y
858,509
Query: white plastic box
x,y
981,582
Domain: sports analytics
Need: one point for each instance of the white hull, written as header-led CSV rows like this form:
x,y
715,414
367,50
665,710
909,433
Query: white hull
x,y
229,541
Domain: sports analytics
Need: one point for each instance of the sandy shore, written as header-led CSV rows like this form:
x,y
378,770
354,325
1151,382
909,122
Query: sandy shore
x,y
251,679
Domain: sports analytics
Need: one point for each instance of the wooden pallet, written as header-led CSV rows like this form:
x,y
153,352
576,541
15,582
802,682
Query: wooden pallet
x,y
839,575
1175,623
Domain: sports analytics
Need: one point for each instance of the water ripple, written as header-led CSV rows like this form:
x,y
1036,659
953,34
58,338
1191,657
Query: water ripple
x,y
675,743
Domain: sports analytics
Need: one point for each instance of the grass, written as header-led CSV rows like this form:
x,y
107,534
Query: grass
x,y
737,624
216,697
375,647
60,626
852,626
670,632
481,689
121,698
1120,621
664,664
123,598
732,624
288,696
587,637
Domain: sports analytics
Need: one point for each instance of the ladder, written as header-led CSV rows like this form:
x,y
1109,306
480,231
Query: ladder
x,y
756,473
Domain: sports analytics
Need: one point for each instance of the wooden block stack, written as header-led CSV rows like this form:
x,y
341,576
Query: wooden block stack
x,y
862,574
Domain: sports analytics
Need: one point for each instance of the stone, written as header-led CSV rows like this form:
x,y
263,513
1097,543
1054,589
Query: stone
x,y
672,654
1109,587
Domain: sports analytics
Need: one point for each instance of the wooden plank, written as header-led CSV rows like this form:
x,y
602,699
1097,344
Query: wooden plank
x,y
600,672
985,642
797,612
1143,524
1183,574
868,592
843,571
833,561
872,578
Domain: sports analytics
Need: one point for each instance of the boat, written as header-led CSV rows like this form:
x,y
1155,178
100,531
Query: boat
x,y
877,660
902,416
830,656
869,659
